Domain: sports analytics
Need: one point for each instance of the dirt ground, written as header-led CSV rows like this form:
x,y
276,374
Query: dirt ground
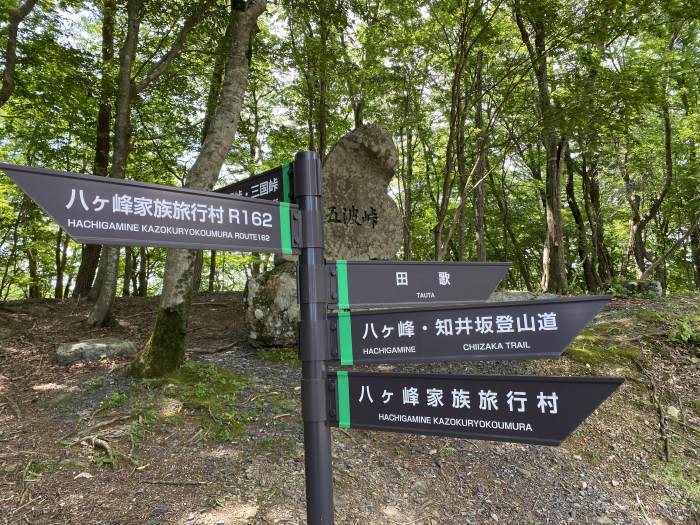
x,y
223,444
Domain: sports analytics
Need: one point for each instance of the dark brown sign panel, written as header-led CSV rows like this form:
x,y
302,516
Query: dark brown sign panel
x,y
537,410
271,185
392,283
101,210
484,331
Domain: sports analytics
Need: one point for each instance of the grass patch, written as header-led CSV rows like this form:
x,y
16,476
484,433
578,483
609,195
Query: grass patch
x,y
686,330
114,400
684,475
601,346
286,357
91,385
213,394
38,467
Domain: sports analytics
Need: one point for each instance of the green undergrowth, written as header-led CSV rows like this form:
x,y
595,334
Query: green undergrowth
x,y
640,333
282,356
684,475
212,394
221,402
604,344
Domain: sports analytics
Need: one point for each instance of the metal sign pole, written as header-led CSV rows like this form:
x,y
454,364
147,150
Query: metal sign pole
x,y
313,340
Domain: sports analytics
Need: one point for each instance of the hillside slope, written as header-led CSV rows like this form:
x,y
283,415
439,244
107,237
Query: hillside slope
x,y
221,441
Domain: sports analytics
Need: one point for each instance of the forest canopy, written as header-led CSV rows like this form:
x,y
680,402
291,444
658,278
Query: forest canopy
x,y
562,136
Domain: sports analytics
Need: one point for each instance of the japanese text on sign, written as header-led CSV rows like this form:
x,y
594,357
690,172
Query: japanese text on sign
x,y
487,324
168,209
515,401
351,216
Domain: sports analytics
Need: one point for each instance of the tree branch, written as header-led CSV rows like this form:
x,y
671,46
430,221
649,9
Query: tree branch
x,y
8,73
175,50
673,248
669,171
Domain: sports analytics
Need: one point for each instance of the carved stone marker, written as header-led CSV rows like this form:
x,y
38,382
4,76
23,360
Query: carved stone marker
x,y
361,222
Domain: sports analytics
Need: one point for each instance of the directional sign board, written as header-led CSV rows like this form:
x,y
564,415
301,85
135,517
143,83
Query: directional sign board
x,y
101,210
484,331
538,410
271,185
391,283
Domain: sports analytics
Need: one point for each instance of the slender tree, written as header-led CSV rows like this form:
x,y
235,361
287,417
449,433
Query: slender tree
x,y
165,349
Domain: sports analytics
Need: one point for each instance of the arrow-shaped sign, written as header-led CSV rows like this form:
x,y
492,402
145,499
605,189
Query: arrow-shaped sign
x,y
484,331
392,283
539,410
101,210
271,185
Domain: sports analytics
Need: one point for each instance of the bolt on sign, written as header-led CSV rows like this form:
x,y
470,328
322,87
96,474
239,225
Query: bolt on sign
x,y
272,185
101,210
537,410
486,331
449,326
361,284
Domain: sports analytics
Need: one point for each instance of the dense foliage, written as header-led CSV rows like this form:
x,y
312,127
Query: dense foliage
x,y
560,135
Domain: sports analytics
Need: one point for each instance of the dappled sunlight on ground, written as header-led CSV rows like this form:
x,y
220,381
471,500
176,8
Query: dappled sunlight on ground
x,y
231,513
49,387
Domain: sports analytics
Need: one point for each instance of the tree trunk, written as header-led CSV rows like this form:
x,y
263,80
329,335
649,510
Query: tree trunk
x,y
553,255
60,253
197,271
324,31
103,304
94,292
695,256
89,259
165,350
34,291
638,222
408,198
212,270
101,314
659,263
480,194
520,261
592,284
591,199
143,269
455,119
69,283
127,89
91,253
128,270
8,73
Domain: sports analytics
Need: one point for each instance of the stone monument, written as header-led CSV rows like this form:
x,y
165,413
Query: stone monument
x,y
361,222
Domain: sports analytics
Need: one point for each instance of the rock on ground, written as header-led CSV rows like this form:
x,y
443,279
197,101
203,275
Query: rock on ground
x,y
509,295
272,310
93,350
361,222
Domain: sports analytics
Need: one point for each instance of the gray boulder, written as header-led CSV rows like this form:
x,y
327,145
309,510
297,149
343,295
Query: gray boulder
x,y
514,295
361,222
93,350
272,310
643,288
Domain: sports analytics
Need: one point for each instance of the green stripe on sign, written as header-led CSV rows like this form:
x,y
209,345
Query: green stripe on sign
x,y
285,229
286,186
343,400
341,267
345,335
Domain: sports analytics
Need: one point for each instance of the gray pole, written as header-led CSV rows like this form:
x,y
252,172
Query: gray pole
x,y
313,340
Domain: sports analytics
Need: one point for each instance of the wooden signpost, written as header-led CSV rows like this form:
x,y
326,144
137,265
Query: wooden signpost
x,y
286,216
